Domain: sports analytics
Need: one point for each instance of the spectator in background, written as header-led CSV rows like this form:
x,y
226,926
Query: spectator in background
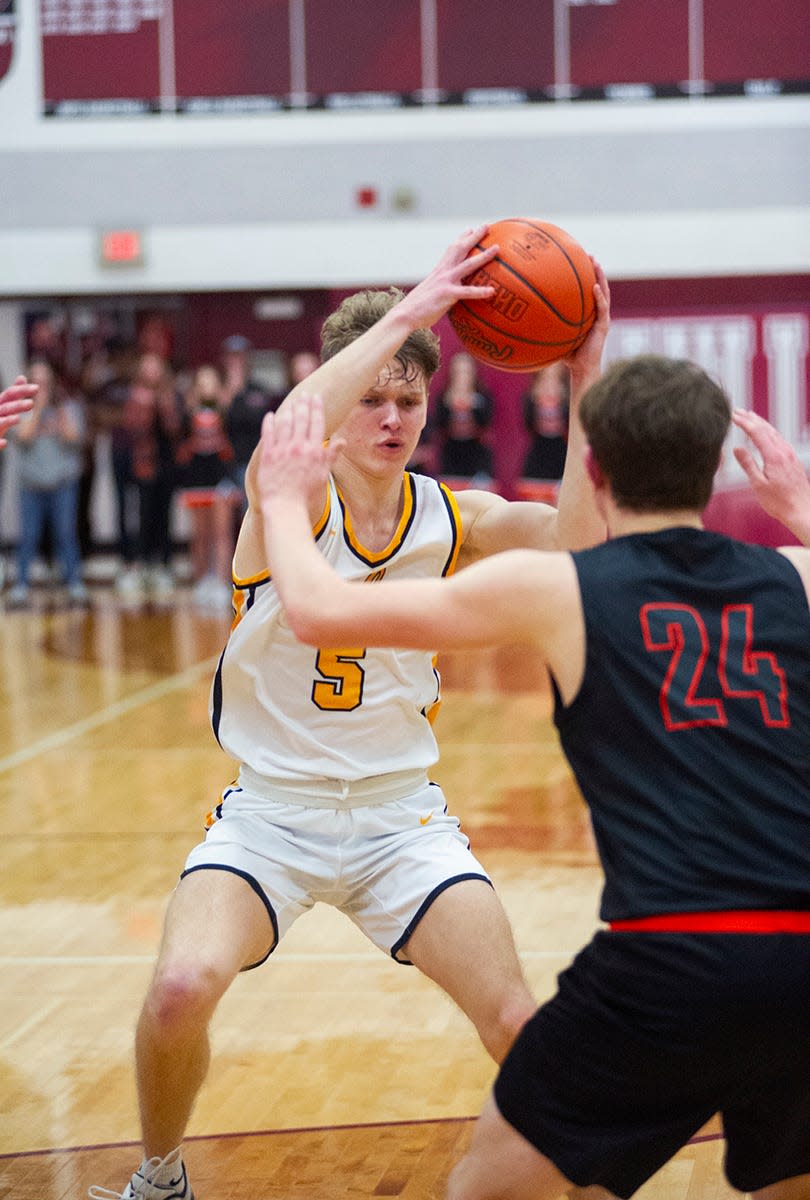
x,y
107,387
463,416
45,339
204,457
302,364
50,442
15,400
423,459
246,402
152,421
545,416
86,385
104,382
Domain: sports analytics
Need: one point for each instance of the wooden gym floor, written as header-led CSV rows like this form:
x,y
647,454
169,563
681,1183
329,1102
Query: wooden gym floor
x,y
336,1072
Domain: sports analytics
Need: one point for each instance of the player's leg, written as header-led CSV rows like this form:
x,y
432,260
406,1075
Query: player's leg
x,y
797,1188
424,897
767,1122
501,1165
215,926
464,943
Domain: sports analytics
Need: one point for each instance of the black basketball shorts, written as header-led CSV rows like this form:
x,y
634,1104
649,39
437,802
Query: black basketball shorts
x,y
648,1037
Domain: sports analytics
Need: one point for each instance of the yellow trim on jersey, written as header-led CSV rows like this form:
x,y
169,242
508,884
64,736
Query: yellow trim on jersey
x,y
432,711
240,583
455,517
320,524
317,529
377,556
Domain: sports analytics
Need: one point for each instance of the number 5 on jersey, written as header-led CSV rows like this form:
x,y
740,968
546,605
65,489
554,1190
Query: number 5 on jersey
x,y
340,688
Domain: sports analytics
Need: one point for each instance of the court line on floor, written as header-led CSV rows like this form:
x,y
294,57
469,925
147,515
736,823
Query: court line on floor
x,y
349,1127
155,691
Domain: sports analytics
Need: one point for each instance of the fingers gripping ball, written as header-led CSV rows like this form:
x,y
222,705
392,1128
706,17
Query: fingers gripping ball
x,y
543,306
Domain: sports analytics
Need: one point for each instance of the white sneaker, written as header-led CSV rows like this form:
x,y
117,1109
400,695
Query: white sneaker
x,y
213,595
161,583
202,590
220,596
78,596
129,584
155,1179
18,596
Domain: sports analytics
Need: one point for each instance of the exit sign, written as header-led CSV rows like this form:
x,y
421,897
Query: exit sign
x,y
121,248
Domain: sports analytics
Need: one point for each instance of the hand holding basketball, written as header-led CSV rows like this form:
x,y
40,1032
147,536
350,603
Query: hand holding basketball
x,y
453,279
543,304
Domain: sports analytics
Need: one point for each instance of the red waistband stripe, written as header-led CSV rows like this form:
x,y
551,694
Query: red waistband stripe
x,y
739,921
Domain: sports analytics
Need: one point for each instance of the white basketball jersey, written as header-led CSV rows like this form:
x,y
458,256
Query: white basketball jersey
x,y
295,712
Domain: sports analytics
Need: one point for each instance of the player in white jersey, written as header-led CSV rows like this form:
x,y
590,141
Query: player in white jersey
x,y
329,714
333,801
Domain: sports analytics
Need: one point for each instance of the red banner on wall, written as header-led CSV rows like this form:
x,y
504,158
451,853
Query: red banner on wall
x,y
757,352
8,28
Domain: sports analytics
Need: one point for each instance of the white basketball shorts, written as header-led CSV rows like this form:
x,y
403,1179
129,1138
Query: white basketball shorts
x,y
381,850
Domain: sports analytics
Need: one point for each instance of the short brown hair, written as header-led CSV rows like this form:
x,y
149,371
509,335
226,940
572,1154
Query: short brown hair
x,y
357,313
656,427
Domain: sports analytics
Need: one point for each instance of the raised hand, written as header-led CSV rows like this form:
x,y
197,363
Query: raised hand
x,y
15,400
294,459
586,362
439,291
777,479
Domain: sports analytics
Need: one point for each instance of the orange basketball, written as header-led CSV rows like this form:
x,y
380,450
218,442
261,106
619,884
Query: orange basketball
x,y
543,305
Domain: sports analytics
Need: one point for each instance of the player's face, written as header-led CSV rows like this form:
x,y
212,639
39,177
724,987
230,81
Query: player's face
x,y
383,428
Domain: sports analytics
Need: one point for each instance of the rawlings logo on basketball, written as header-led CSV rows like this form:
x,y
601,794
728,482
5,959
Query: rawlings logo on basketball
x,y
504,301
475,340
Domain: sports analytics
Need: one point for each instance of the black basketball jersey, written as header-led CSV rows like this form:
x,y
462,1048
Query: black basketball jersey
x,y
690,735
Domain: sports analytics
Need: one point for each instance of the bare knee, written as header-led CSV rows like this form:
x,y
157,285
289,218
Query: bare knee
x,y
518,1007
454,1183
502,1024
182,995
461,1183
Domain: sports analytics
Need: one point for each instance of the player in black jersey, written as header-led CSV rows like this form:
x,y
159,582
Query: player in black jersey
x,y
680,660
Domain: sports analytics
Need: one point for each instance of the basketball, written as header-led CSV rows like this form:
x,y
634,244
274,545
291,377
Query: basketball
x,y
543,306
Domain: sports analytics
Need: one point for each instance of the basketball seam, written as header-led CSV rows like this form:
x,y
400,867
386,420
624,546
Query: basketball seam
x,y
531,288
509,335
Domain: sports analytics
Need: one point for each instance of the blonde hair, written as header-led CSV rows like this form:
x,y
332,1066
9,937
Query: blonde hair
x,y
357,313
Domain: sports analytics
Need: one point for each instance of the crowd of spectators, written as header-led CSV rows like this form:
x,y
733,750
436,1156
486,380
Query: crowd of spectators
x,y
184,440
458,442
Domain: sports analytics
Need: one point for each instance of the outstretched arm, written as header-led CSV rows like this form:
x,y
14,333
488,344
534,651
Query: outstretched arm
x,y
342,380
492,524
14,401
578,522
779,481
471,609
